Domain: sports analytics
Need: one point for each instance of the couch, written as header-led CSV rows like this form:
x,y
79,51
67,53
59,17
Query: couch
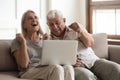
x,y
8,67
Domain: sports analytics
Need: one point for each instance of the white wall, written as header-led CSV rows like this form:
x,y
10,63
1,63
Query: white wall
x,y
73,10
11,12
82,12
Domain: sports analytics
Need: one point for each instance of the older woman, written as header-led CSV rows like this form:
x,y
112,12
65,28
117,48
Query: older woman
x,y
26,49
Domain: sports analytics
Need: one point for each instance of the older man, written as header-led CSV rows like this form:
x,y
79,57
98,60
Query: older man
x,y
88,66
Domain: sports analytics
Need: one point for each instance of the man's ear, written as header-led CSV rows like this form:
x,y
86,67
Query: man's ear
x,y
47,23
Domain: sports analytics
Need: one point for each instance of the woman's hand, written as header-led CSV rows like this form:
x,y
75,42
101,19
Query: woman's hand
x,y
46,36
20,38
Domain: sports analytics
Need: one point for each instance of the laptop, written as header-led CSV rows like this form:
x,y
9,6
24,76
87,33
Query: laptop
x,y
59,52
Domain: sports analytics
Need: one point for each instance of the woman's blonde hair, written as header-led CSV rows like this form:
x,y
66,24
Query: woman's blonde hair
x,y
24,31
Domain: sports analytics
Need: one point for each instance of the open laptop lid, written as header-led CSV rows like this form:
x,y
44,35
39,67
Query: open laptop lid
x,y
59,52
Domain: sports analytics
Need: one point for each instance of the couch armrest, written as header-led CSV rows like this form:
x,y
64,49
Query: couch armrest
x,y
114,53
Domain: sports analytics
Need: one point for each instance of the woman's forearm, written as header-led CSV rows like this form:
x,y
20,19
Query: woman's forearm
x,y
23,57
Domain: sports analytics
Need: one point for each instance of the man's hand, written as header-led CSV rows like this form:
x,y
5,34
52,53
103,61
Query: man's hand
x,y
78,63
75,26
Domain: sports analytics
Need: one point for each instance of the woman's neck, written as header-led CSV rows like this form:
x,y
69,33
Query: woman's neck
x,y
33,37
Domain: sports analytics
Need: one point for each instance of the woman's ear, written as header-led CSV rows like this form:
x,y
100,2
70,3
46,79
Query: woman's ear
x,y
24,26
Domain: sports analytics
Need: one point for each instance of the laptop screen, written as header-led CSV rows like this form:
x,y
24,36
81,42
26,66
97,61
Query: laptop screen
x,y
59,52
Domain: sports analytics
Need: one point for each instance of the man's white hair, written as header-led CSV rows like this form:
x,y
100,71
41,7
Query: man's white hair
x,y
54,13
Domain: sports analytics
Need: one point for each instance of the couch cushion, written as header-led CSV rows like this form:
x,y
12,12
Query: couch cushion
x,y
6,60
114,53
100,46
10,75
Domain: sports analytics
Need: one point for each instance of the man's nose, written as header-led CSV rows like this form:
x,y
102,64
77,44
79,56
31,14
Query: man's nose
x,y
54,26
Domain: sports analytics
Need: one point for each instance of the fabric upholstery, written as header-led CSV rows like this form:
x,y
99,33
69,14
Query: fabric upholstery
x,y
7,64
6,60
114,53
11,75
100,46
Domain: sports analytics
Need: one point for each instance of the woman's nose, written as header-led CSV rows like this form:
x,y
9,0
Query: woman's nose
x,y
34,19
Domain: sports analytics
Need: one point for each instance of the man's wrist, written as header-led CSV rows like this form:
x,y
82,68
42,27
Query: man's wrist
x,y
78,34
